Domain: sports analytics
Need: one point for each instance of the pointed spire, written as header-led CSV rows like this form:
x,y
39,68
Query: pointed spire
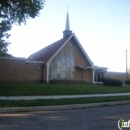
x,y
67,26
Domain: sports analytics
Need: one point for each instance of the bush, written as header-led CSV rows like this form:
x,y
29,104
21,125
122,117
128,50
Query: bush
x,y
66,81
127,81
111,81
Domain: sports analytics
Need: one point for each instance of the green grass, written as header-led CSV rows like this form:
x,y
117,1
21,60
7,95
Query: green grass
x,y
52,102
27,89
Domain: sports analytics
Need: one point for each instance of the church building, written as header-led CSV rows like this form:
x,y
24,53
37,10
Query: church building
x,y
67,59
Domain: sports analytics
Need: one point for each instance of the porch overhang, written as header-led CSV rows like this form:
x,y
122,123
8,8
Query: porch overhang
x,y
92,68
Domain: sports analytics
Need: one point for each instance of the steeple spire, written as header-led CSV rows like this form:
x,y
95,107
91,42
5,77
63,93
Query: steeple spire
x,y
67,26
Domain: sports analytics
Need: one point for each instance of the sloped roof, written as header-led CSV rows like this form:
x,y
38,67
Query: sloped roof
x,y
46,53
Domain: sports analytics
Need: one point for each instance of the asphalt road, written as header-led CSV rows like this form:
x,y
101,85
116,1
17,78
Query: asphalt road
x,y
100,118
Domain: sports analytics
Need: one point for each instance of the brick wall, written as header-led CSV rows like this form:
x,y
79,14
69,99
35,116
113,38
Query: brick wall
x,y
34,72
44,73
17,70
82,74
117,75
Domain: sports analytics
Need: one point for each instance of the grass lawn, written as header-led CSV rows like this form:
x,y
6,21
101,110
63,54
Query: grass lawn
x,y
27,89
52,102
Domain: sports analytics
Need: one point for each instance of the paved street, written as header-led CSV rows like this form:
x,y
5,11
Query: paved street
x,y
100,118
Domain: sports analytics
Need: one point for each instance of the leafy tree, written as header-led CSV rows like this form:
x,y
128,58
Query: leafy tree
x,y
15,12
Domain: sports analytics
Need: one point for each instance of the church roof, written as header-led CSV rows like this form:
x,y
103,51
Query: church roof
x,y
49,52
46,53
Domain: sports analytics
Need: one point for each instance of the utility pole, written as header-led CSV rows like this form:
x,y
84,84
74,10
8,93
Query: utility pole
x,y
126,66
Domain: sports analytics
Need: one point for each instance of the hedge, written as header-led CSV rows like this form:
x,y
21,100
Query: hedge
x,y
111,81
66,81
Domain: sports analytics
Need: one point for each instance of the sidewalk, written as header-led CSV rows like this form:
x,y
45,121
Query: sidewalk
x,y
61,96
61,107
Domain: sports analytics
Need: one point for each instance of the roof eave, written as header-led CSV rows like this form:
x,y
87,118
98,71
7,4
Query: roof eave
x,y
93,68
53,56
86,55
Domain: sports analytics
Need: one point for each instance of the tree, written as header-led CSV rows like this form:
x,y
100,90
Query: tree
x,y
15,12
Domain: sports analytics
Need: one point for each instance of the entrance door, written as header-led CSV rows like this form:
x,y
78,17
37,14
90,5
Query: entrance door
x,y
98,75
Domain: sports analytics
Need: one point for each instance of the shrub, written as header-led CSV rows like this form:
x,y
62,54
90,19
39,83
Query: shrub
x,y
111,81
66,81
127,81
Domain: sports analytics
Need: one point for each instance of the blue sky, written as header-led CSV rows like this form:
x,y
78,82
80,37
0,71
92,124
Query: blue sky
x,y
102,27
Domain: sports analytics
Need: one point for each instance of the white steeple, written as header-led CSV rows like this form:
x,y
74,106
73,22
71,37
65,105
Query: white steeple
x,y
67,26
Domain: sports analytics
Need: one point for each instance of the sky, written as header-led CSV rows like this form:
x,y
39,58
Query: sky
x,y
101,26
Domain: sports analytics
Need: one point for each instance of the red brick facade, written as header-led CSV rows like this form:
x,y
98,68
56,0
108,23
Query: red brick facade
x,y
118,75
44,73
82,74
17,70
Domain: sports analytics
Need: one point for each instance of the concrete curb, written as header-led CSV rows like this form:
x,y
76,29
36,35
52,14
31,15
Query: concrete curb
x,y
61,107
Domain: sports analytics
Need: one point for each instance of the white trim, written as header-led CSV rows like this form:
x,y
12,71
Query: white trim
x,y
101,68
49,61
83,51
12,58
20,58
93,76
85,68
47,75
87,57
93,68
40,62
